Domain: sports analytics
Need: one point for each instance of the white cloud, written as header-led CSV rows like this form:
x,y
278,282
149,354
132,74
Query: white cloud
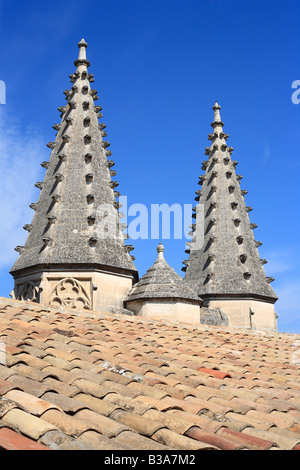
x,y
21,151
289,297
288,307
282,261
284,265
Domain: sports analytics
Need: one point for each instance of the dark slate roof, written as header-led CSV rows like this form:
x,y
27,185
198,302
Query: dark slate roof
x,y
161,281
224,259
77,195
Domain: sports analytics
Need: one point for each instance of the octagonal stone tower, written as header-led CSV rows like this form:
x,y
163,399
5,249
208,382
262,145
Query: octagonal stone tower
x,y
224,266
75,255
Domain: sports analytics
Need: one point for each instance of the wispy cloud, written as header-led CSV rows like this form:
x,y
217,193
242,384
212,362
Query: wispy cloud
x,y
281,261
289,295
284,266
288,307
21,151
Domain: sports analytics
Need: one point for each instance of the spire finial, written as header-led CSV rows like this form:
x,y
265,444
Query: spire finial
x,y
82,43
216,108
160,251
82,54
217,117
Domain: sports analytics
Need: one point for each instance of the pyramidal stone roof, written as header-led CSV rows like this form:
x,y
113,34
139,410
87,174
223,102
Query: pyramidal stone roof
x,y
76,218
223,255
162,282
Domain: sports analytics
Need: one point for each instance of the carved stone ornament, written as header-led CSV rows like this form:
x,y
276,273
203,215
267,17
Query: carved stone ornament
x,y
70,293
29,291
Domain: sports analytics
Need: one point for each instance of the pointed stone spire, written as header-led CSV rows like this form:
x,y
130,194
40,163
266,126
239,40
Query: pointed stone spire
x,y
224,263
76,226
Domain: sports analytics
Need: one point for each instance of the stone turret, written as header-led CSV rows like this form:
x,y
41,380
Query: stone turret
x,y
161,294
224,265
75,254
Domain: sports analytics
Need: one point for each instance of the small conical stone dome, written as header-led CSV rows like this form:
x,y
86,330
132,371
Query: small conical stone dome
x,y
162,294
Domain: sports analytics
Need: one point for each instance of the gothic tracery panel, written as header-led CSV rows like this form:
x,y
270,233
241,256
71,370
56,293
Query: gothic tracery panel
x,y
70,293
29,291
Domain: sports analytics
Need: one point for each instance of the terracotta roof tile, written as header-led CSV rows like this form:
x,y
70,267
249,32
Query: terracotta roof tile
x,y
27,424
140,424
103,407
211,405
276,435
172,421
257,421
6,405
31,373
96,441
141,389
188,419
54,385
20,382
59,374
235,405
245,440
177,441
133,440
127,403
11,440
185,405
213,439
61,402
102,381
102,424
120,378
56,440
30,403
216,373
70,425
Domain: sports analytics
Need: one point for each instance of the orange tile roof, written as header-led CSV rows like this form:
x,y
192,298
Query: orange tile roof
x,y
94,380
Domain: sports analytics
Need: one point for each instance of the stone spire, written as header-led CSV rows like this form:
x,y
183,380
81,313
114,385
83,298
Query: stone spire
x,y
224,262
76,218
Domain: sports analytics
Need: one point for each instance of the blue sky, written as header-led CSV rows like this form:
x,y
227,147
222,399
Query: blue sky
x,y
159,66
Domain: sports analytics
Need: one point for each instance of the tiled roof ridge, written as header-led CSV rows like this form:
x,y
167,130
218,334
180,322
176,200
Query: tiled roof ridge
x,y
117,382
4,301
